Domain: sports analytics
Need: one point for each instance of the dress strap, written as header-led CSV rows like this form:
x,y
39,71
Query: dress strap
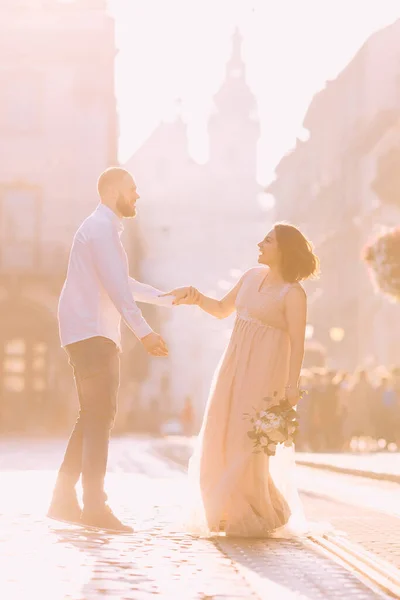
x,y
285,290
288,287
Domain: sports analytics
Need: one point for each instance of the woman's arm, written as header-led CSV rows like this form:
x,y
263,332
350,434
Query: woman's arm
x,y
296,317
217,308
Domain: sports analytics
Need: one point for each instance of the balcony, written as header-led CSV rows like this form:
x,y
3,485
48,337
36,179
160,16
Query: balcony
x,y
44,263
25,253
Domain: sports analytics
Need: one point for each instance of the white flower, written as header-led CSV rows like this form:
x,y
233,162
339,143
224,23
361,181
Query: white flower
x,y
266,428
275,422
258,423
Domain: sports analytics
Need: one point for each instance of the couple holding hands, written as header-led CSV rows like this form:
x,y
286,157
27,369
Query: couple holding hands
x,y
236,490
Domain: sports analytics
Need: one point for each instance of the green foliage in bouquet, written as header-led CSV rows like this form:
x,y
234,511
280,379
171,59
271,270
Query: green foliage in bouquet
x,y
275,425
383,259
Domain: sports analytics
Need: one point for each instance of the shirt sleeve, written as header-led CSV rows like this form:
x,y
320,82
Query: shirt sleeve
x,y
142,292
111,263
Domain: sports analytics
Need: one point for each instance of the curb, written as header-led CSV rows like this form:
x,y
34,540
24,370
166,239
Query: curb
x,y
177,458
393,477
379,572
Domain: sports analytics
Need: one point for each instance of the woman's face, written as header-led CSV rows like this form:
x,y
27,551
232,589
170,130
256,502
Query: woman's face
x,y
269,251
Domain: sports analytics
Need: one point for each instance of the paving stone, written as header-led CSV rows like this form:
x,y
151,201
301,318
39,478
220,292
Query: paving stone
x,y
41,558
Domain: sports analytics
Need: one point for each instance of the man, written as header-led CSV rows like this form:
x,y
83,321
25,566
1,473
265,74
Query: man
x,y
97,292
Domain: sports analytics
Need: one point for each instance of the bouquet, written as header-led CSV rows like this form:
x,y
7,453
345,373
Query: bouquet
x,y
383,260
273,426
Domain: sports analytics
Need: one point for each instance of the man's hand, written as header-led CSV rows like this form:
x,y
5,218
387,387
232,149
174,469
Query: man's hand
x,y
185,295
155,345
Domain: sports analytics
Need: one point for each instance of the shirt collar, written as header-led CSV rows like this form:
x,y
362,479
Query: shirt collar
x,y
110,214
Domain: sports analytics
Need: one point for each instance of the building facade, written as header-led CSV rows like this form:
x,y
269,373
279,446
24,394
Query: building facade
x,y
201,225
58,126
340,186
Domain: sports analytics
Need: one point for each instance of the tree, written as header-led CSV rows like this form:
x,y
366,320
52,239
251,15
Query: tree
x,y
383,259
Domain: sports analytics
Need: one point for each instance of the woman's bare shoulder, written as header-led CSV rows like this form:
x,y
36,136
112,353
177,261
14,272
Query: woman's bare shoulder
x,y
253,271
296,289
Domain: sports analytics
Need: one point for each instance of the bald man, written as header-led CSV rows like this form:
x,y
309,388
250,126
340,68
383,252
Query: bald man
x,y
97,293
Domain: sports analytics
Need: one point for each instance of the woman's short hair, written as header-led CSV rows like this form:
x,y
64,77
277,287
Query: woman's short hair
x,y
298,261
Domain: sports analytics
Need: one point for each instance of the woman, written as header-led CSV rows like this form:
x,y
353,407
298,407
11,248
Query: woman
x,y
240,492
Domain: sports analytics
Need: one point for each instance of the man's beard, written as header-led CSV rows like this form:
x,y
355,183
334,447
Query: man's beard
x,y
125,208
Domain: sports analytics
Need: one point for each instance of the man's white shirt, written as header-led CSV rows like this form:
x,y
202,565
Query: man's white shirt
x,y
98,290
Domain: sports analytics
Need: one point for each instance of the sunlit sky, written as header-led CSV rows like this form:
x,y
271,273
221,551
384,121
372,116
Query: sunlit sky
x,y
178,49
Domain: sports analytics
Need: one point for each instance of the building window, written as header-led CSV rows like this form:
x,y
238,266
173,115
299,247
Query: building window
x,y
14,365
19,228
21,101
387,181
25,366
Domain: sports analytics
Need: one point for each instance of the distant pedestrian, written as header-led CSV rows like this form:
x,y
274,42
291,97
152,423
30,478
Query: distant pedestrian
x,y
359,421
187,417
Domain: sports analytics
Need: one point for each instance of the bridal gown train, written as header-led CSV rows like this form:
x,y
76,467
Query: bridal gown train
x,y
249,494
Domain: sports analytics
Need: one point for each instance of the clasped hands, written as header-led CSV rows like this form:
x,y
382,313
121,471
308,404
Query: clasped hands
x,y
191,295
185,295
153,343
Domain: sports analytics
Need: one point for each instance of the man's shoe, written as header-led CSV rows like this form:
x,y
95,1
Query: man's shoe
x,y
65,508
105,519
64,504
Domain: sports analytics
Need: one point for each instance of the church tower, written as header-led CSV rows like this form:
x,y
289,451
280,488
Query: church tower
x,y
234,128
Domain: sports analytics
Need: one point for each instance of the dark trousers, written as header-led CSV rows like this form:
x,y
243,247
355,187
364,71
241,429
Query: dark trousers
x,y
95,363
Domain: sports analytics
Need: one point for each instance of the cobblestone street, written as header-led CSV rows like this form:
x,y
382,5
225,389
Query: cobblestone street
x,y
366,510
158,560
200,251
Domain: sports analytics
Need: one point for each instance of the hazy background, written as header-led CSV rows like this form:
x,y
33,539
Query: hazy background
x,y
230,115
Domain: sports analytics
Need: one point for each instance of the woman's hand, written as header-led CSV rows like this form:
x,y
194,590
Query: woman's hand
x,y
292,395
185,295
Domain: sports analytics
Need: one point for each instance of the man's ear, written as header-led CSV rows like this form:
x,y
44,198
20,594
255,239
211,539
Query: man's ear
x,y
113,193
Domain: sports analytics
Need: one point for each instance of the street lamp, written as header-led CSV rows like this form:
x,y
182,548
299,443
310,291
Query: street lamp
x,y
266,201
336,334
309,331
